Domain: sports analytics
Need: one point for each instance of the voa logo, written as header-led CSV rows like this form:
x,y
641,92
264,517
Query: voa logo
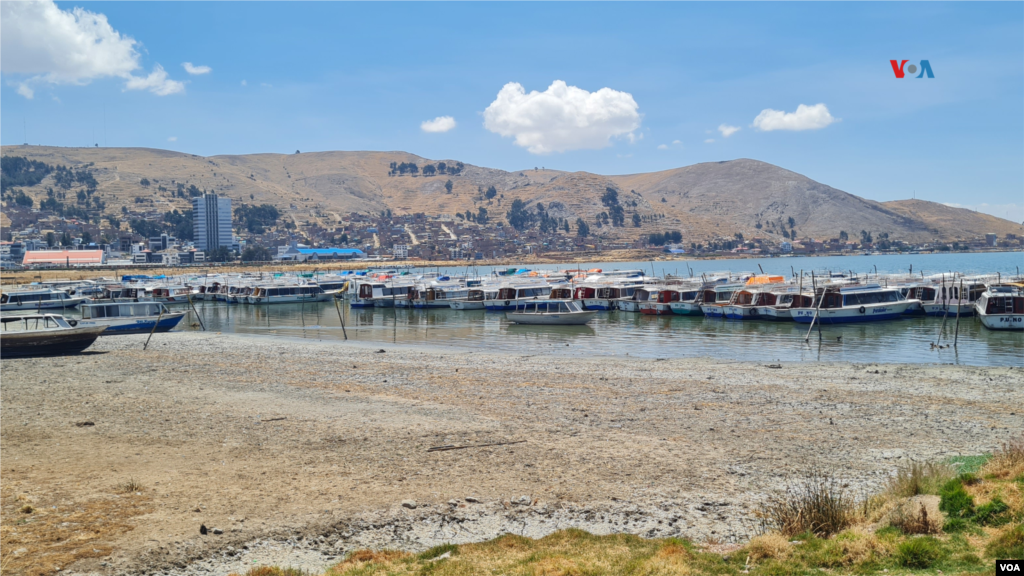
x,y
1008,567
897,68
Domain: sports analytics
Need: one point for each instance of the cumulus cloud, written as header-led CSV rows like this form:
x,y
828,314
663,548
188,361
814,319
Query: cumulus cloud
x,y
727,130
439,124
677,142
805,118
196,70
562,117
172,138
54,46
662,146
157,82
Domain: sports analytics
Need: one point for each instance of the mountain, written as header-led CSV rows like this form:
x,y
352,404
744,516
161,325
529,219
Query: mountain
x,y
715,199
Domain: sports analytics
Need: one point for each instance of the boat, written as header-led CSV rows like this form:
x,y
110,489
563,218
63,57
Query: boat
x,y
661,302
715,299
944,299
38,299
842,303
1001,307
688,303
130,317
640,295
550,313
272,294
44,335
509,297
783,305
476,299
172,294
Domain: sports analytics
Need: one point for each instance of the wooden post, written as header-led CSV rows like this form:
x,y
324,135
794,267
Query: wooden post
x,y
817,309
956,334
157,323
200,318
945,303
338,307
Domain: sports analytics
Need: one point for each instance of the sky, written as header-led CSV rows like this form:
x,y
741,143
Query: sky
x,y
610,88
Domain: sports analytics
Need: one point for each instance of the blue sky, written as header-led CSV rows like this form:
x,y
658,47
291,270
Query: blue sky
x,y
347,76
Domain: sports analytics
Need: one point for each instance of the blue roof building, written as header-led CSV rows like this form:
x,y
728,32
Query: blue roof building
x,y
303,254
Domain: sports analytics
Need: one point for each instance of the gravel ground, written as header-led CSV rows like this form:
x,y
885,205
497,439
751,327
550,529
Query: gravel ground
x,y
299,452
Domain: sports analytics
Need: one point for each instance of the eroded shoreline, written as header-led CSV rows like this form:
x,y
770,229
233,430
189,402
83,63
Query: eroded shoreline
x,y
273,440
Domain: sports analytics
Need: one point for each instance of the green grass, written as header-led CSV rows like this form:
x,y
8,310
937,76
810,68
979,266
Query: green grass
x,y
968,464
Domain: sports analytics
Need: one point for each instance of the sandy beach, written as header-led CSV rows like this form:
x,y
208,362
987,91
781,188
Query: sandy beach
x,y
298,452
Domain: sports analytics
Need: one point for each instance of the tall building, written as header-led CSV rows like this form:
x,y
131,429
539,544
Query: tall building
x,y
211,222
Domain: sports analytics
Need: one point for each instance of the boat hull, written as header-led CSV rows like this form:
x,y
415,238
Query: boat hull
x,y
712,311
597,304
869,313
567,319
145,325
466,305
1002,321
653,309
940,310
49,342
741,312
772,313
686,309
628,306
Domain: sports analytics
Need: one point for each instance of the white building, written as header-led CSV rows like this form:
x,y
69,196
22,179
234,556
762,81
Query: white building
x,y
211,222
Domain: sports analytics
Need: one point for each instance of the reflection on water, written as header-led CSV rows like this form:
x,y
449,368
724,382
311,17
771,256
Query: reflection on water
x,y
622,333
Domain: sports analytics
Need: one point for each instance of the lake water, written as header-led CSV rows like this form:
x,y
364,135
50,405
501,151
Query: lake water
x,y
621,334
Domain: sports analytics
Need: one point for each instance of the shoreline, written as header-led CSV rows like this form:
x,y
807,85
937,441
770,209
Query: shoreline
x,y
16,277
271,440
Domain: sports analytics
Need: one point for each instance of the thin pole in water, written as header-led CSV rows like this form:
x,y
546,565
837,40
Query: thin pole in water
x,y
342,320
945,304
956,333
201,323
817,309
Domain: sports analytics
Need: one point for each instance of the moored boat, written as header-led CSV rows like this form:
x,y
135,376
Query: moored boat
x,y
36,299
550,313
1001,307
843,303
130,317
44,335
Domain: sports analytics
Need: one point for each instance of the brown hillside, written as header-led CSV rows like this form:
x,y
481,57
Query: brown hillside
x,y
703,200
962,223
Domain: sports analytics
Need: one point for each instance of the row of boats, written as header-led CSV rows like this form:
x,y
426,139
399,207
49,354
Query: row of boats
x,y
551,297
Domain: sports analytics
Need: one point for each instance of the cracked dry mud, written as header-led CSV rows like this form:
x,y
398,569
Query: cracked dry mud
x,y
302,451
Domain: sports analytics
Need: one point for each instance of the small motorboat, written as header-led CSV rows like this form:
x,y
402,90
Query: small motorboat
x,y
550,313
44,335
130,317
36,299
1001,307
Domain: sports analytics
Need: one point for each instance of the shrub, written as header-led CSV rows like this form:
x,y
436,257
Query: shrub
x,y
955,501
993,513
819,504
1008,461
1009,544
130,485
920,552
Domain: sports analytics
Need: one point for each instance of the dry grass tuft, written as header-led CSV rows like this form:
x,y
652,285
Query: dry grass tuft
x,y
919,478
1008,461
771,546
130,486
819,504
913,517
858,546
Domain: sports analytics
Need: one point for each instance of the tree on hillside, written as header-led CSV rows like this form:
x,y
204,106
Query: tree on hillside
x,y
865,237
519,217
843,236
144,182
610,197
86,237
51,239
448,186
491,192
618,215
582,229
481,216
429,170
636,220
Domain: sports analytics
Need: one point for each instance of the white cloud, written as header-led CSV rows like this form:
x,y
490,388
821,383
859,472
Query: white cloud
x,y
196,70
662,146
157,82
709,140
55,46
805,118
562,117
727,130
244,83
265,85
677,142
172,138
439,124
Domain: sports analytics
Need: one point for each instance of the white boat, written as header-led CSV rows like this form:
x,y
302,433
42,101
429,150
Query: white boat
x,y
509,297
130,317
35,299
1001,307
944,298
715,299
551,313
44,335
285,294
688,303
475,299
780,306
843,303
640,295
